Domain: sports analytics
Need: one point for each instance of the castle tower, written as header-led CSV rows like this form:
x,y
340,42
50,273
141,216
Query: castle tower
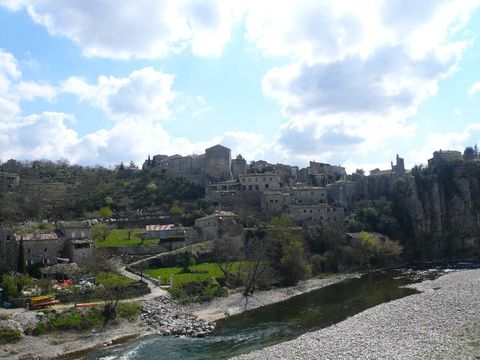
x,y
218,163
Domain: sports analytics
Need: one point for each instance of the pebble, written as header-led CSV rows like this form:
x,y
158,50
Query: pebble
x,y
165,317
441,324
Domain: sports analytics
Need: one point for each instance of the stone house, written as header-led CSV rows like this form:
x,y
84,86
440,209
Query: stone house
x,y
218,162
210,224
445,156
40,247
77,243
239,166
323,212
71,240
9,180
260,182
342,193
301,204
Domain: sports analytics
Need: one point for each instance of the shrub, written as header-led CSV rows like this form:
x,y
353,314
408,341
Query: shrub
x,y
129,310
9,335
198,291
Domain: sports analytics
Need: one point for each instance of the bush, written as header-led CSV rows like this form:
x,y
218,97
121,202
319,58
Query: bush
x,y
198,291
9,335
129,310
71,319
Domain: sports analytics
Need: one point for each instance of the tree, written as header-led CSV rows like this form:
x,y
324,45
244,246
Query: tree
x,y
21,258
227,246
105,212
292,264
255,265
176,209
100,232
469,154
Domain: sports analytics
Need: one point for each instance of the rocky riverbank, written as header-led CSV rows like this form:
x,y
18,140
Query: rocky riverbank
x,y
165,317
442,322
159,316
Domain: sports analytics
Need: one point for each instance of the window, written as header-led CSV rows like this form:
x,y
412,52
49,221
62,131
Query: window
x,y
266,186
250,187
271,201
45,250
304,211
29,251
256,187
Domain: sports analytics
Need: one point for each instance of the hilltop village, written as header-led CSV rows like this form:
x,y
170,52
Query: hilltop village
x,y
190,229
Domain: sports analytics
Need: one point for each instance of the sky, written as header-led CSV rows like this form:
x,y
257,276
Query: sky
x,y
99,82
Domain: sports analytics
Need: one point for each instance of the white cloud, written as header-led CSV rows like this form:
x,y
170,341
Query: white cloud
x,y
144,93
447,141
29,90
13,90
135,102
359,70
138,29
474,89
325,31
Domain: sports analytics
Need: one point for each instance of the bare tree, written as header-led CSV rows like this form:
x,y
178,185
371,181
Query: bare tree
x,y
256,264
227,246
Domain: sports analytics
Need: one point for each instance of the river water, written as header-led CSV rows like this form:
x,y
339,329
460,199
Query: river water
x,y
276,323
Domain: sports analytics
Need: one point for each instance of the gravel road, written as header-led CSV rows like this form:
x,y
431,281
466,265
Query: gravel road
x,y
442,322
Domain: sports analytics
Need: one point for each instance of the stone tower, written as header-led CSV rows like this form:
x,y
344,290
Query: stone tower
x,y
239,166
218,163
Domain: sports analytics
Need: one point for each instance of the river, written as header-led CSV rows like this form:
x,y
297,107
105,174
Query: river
x,y
276,323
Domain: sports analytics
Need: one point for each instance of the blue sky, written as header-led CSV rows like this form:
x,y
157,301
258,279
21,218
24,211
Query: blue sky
x,y
330,81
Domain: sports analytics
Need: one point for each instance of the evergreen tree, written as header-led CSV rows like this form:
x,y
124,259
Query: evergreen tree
x,y
21,258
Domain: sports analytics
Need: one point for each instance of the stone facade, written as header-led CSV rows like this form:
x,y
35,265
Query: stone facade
x,y
8,251
445,156
9,180
260,182
301,204
239,166
324,212
215,164
71,240
218,162
41,248
342,193
210,224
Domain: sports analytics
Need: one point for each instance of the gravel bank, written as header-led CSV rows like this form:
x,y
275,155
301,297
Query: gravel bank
x,y
443,322
235,302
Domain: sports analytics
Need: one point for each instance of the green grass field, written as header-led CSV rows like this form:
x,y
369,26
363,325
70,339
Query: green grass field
x,y
119,238
113,279
212,270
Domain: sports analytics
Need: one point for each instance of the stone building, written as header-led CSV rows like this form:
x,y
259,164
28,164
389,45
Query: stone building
x,y
323,212
321,174
215,164
77,243
8,251
218,163
260,182
301,204
210,224
396,170
9,180
342,193
71,240
445,156
40,247
239,166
